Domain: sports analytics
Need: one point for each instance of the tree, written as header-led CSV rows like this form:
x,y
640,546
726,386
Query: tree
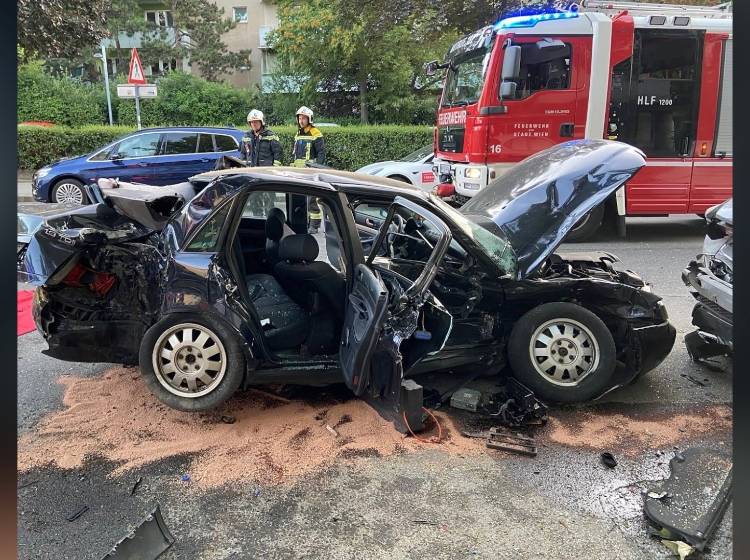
x,y
374,47
60,28
198,27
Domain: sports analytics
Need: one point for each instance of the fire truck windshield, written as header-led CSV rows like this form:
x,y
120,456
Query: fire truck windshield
x,y
463,84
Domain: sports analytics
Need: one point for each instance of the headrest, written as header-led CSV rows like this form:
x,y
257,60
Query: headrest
x,y
275,224
297,248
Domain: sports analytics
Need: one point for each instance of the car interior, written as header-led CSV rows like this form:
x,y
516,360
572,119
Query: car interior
x,y
294,271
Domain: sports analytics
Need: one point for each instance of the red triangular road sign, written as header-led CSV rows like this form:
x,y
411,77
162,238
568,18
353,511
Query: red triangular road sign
x,y
136,75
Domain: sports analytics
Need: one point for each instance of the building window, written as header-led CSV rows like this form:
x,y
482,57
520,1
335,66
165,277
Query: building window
x,y
239,14
161,18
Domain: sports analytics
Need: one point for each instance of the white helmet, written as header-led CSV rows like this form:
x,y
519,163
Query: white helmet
x,y
305,111
256,115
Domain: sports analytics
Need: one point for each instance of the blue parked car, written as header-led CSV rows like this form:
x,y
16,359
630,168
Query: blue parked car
x,y
155,156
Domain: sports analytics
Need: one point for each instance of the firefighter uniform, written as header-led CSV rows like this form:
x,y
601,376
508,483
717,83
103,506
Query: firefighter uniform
x,y
310,146
261,149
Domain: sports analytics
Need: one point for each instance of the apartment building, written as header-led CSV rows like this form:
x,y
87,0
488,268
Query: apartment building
x,y
254,19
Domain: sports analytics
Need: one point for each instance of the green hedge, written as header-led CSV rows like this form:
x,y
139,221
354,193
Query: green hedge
x,y
348,147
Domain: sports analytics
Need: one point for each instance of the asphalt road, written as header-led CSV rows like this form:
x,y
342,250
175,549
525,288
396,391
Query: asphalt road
x,y
561,504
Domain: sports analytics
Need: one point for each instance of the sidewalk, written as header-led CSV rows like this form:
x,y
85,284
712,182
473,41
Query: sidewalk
x,y
24,186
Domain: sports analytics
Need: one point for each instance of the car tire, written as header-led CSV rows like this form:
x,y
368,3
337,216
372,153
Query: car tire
x,y
212,375
399,178
586,226
580,357
70,191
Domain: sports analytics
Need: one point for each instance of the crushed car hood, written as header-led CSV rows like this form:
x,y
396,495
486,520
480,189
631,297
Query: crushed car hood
x,y
541,199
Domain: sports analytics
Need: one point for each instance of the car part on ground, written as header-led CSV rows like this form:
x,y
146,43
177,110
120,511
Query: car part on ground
x,y
146,542
504,440
438,289
698,491
709,279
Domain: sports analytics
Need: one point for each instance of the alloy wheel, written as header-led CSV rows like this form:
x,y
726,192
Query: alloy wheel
x,y
564,351
69,193
189,360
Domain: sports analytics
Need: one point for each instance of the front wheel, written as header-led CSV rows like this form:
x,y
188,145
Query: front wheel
x,y
69,191
192,362
563,352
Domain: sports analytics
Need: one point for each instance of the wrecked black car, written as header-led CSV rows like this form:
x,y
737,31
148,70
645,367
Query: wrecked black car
x,y
227,288
709,278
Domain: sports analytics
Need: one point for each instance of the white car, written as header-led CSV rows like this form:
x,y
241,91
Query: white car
x,y
416,168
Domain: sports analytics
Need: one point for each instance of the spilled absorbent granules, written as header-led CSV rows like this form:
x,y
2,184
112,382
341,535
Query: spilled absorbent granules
x,y
634,433
270,441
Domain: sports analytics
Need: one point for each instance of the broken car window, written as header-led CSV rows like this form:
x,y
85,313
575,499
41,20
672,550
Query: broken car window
x,y
207,237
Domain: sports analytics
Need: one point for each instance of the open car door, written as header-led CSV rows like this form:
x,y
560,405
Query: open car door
x,y
380,316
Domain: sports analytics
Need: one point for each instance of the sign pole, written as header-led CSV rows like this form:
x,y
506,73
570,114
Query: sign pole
x,y
137,108
106,83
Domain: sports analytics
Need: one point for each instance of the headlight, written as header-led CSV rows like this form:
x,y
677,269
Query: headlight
x,y
43,171
473,173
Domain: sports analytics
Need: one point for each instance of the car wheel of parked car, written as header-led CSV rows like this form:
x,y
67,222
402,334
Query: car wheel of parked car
x,y
399,178
70,191
192,362
586,226
563,352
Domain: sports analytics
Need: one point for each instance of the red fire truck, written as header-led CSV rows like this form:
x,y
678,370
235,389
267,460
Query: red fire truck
x,y
656,76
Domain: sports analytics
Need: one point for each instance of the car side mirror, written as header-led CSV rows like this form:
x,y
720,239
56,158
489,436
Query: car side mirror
x,y
511,62
116,156
431,68
508,90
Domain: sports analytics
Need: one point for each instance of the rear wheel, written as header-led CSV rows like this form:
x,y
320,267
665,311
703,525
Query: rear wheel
x,y
69,191
563,352
586,226
192,362
399,178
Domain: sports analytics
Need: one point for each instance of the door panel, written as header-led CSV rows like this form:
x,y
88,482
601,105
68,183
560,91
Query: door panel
x,y
135,158
543,110
661,187
363,320
178,159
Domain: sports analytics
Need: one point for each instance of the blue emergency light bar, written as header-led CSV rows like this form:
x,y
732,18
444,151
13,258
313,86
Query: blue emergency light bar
x,y
532,20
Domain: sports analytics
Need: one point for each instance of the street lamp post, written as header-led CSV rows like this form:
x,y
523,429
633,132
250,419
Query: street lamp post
x,y
103,56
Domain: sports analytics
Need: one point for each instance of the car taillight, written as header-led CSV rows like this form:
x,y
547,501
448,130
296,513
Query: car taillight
x,y
98,282
444,190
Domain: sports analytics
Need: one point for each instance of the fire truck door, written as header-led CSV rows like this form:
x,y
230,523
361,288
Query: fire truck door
x,y
541,112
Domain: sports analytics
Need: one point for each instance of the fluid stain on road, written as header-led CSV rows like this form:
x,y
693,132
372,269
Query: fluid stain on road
x,y
269,441
114,416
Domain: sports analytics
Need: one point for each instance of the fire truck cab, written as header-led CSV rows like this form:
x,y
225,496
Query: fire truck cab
x,y
655,76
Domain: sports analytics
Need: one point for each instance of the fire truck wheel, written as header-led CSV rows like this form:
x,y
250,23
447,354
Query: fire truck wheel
x,y
587,226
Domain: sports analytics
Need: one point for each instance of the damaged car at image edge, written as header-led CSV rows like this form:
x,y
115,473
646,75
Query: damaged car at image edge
x,y
216,284
709,278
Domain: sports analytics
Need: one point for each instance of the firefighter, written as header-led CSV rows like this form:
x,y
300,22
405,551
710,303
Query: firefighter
x,y
260,146
309,146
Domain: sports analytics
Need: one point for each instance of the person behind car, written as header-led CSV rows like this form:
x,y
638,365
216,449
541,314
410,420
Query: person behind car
x,y
260,146
309,146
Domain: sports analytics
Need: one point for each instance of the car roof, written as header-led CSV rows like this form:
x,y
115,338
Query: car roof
x,y
326,178
189,129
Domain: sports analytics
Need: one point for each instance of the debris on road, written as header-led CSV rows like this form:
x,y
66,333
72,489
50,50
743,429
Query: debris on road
x,y
699,488
26,484
503,440
694,380
657,495
334,432
146,542
608,460
681,549
228,419
425,522
185,478
78,513
136,485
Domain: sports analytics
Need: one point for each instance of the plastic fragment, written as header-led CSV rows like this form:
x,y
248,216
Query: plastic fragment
x,y
681,549
608,460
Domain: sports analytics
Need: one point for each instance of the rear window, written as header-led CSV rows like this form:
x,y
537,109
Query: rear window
x,y
179,143
205,143
225,143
